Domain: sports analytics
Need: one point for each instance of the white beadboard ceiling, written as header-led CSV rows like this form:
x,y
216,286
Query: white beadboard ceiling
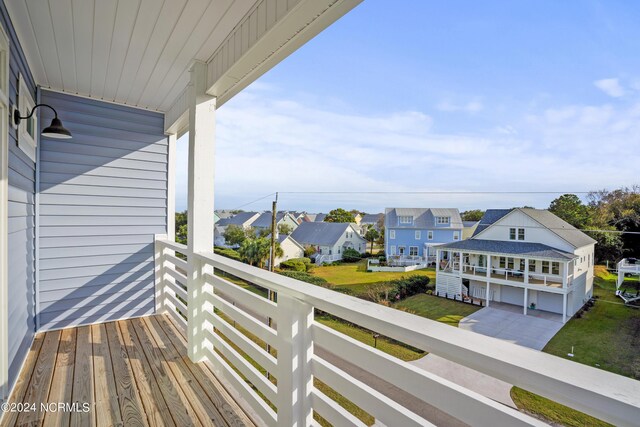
x,y
133,52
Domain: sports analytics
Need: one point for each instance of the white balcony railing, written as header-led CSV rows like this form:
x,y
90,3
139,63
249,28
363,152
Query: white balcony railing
x,y
220,307
512,275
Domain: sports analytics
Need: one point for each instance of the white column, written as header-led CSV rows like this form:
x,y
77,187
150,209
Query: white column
x,y
565,275
488,292
171,187
526,271
488,267
437,261
526,302
564,308
295,350
202,119
461,259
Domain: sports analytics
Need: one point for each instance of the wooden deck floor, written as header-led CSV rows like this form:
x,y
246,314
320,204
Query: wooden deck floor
x,y
131,373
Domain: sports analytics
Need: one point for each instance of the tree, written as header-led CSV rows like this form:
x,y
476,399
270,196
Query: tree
x,y
570,208
256,251
371,236
380,240
181,227
472,215
234,235
285,229
340,215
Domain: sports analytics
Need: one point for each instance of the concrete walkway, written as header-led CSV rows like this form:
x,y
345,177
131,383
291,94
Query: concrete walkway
x,y
505,322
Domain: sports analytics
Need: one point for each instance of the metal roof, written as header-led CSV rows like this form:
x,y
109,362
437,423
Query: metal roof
x,y
423,217
321,233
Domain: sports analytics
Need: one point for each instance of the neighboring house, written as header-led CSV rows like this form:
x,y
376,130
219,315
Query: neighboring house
x,y
243,219
316,217
469,228
300,217
216,218
330,239
371,220
411,234
218,238
221,213
523,256
263,222
357,218
290,248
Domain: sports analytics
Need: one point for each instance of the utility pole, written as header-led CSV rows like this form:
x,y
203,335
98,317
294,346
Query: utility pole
x,y
272,256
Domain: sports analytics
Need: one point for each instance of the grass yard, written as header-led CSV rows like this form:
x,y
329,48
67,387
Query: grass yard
x,y
435,308
608,335
355,279
551,411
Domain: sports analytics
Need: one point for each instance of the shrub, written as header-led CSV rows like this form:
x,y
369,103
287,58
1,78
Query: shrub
x,y
306,277
229,253
382,258
351,255
296,264
409,286
309,251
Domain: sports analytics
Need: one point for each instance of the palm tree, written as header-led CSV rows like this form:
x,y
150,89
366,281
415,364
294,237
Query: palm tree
x,y
256,251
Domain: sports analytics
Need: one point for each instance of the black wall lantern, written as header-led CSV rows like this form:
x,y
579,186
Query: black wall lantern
x,y
54,130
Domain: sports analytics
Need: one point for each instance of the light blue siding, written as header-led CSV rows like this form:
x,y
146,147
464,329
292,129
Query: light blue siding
x,y
103,195
21,287
407,237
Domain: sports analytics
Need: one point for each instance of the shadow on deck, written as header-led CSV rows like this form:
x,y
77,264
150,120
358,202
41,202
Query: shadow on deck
x,y
133,372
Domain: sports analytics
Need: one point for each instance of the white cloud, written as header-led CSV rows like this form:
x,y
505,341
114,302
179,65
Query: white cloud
x,y
473,106
611,87
267,143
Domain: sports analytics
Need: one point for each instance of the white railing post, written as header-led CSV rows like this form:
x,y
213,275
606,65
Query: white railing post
x,y
295,351
160,285
202,117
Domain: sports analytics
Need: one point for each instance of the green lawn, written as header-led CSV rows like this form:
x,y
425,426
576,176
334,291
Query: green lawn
x,y
436,308
355,279
551,411
608,335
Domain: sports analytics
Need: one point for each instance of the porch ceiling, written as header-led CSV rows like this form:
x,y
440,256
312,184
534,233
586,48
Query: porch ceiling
x,y
133,52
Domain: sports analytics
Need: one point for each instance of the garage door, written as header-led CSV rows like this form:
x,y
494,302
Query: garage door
x,y
512,295
549,302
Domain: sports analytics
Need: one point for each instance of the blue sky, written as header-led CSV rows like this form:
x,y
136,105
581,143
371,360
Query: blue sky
x,y
523,96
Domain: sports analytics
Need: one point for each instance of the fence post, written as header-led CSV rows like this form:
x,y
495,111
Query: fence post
x,y
159,262
295,351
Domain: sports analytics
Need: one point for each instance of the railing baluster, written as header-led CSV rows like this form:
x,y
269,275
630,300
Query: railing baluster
x,y
295,381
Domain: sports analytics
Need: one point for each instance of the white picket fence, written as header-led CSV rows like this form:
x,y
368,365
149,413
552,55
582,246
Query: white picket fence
x,y
216,307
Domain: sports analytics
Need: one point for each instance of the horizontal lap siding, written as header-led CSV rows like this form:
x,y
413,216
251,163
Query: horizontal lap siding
x,y
21,285
103,195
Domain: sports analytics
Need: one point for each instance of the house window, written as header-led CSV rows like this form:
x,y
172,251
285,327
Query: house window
x,y
392,234
27,134
401,250
413,251
393,250
545,267
510,263
521,265
418,235
405,219
456,235
520,233
443,220
503,262
532,266
512,234
429,235
555,268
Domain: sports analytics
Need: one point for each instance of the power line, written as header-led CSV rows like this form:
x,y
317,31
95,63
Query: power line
x,y
254,201
434,192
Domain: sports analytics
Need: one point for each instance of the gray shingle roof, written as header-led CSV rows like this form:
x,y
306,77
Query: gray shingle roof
x,y
371,218
264,220
319,217
559,226
319,233
529,249
422,217
489,218
238,219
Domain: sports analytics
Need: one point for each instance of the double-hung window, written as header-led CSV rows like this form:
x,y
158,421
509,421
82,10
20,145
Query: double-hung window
x,y
429,235
392,234
413,251
418,235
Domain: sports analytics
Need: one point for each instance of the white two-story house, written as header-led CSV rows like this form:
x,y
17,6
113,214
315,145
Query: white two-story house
x,y
329,239
522,256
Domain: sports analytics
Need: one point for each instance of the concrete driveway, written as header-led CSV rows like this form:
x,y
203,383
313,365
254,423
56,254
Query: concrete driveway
x,y
502,321
505,323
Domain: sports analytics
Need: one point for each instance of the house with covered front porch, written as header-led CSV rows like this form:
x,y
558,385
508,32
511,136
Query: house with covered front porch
x,y
523,256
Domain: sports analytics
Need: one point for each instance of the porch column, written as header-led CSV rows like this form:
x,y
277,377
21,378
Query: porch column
x,y
461,258
526,297
488,292
565,275
564,308
526,271
437,261
202,116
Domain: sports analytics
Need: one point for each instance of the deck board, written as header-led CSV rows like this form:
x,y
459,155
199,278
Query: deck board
x,y
133,372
